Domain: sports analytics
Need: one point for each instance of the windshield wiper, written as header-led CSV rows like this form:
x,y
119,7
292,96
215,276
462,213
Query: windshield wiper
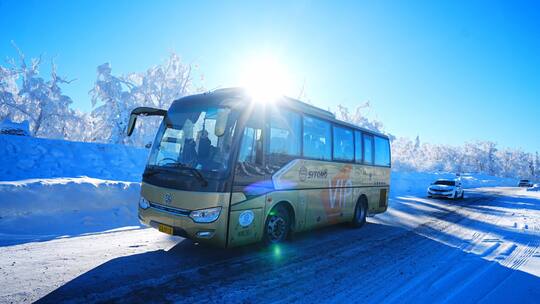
x,y
196,173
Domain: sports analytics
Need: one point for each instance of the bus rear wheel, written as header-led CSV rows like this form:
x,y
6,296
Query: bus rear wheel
x,y
277,226
360,213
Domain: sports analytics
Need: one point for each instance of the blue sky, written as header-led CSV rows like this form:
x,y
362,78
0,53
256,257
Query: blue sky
x,y
449,71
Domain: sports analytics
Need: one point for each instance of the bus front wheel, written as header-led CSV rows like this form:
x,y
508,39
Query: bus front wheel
x,y
360,213
277,226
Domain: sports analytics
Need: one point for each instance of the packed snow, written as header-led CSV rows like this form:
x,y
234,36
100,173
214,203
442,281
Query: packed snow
x,y
39,209
33,158
66,188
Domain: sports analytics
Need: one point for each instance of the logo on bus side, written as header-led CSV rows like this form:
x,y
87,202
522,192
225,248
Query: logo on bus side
x,y
305,174
246,218
338,193
302,173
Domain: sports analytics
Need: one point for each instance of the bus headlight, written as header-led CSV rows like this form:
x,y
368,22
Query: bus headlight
x,y
205,215
143,203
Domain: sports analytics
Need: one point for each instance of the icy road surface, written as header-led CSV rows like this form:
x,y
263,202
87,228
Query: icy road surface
x,y
482,249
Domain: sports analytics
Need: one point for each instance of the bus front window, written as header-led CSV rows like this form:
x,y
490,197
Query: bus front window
x,y
196,138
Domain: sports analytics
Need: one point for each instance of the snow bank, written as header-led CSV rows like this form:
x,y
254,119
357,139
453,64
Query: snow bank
x,y
51,188
416,183
38,209
27,157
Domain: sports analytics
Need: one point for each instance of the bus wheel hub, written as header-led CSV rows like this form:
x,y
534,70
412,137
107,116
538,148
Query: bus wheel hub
x,y
276,227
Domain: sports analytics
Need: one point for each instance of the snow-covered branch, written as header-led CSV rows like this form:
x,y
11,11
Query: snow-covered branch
x,y
113,98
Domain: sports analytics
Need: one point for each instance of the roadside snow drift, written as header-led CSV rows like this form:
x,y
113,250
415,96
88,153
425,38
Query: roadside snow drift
x,y
39,209
24,157
51,188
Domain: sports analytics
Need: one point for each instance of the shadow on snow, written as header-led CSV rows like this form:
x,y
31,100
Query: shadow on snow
x,y
376,263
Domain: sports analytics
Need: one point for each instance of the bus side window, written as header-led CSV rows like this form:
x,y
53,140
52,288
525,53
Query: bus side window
x,y
251,146
368,148
284,143
343,144
382,151
317,139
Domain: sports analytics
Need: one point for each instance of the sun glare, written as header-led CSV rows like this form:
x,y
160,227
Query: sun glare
x,y
264,77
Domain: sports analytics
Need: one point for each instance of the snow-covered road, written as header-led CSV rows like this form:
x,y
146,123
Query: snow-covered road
x,y
482,249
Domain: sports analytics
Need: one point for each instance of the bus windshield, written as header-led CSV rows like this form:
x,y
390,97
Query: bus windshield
x,y
194,138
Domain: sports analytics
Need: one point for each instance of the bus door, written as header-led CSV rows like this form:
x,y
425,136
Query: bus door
x,y
251,180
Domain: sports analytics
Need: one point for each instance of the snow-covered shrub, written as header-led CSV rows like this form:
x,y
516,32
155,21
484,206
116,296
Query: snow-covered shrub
x,y
24,95
116,96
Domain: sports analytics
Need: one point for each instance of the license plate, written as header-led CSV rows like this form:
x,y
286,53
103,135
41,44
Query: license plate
x,y
165,229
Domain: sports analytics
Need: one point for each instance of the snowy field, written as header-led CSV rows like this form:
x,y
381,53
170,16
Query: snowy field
x,y
69,232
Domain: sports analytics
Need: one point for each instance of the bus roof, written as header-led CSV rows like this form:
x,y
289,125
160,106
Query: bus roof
x,y
288,102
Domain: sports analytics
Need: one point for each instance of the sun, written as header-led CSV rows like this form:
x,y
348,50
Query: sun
x,y
265,77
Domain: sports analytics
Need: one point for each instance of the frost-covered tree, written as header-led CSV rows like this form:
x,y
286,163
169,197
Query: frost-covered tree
x,y
113,98
537,165
358,118
480,156
417,142
24,95
514,163
109,120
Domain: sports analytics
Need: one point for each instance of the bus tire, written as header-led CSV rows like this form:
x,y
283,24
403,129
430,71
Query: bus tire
x,y
360,213
278,225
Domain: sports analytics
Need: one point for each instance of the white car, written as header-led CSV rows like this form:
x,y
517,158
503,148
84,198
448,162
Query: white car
x,y
449,188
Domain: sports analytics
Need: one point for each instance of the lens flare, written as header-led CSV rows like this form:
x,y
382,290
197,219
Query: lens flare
x,y
277,251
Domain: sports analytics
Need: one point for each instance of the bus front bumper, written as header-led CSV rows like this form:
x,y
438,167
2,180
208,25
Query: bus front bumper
x,y
213,233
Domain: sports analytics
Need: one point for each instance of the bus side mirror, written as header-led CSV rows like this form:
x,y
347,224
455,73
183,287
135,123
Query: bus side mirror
x,y
221,121
131,124
144,111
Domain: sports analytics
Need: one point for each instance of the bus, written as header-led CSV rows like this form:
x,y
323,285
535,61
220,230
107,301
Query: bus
x,y
228,169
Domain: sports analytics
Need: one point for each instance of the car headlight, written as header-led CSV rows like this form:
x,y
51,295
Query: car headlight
x,y
205,215
144,203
